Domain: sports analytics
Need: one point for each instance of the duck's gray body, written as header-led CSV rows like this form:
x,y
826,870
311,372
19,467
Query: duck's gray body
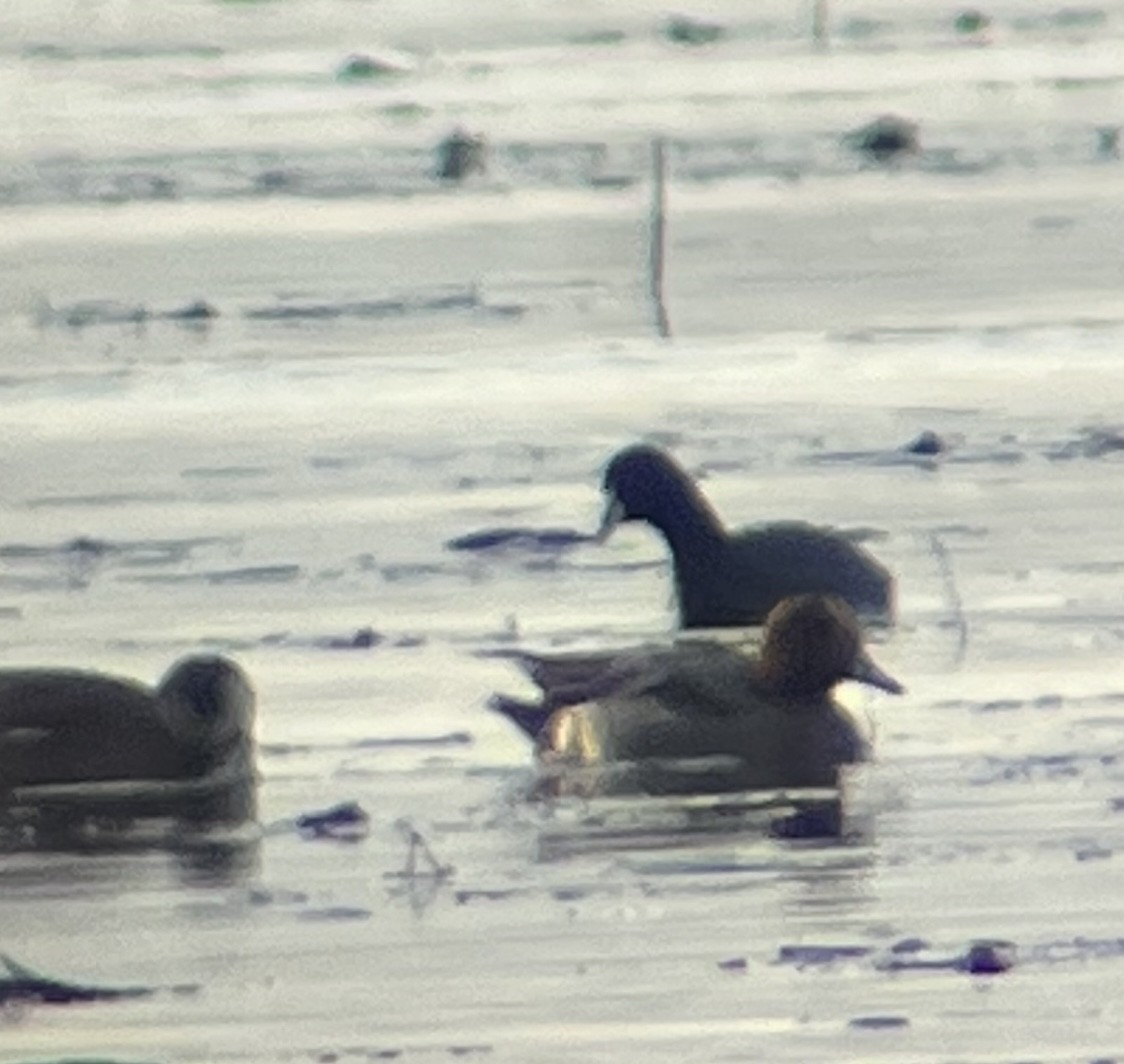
x,y
707,716
704,702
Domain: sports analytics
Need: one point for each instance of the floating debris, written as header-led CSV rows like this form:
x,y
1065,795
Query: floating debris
x,y
527,539
335,913
345,822
457,738
90,312
433,868
817,956
1093,442
686,29
887,138
461,154
927,444
971,22
878,1023
198,311
361,67
463,897
989,957
362,639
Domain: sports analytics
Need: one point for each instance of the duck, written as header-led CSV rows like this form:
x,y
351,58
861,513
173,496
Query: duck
x,y
705,716
61,726
733,579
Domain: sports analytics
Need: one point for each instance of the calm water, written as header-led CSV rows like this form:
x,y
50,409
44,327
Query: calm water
x,y
395,363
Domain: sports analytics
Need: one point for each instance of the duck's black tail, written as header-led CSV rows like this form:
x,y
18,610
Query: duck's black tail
x,y
527,716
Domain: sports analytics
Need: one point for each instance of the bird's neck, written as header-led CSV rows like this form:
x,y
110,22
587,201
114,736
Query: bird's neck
x,y
690,526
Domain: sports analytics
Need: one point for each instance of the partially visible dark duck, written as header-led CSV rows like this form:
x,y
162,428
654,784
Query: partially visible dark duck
x,y
725,579
93,744
769,718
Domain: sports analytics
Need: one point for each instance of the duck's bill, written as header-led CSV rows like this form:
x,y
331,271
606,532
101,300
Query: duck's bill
x,y
866,671
613,516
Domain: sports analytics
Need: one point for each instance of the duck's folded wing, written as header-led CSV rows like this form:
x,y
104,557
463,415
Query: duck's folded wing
x,y
573,679
702,679
567,679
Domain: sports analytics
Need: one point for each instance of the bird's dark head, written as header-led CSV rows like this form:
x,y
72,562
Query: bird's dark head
x,y
207,698
814,641
644,483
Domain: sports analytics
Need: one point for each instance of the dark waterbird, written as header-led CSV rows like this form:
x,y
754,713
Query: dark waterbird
x,y
77,744
725,579
770,719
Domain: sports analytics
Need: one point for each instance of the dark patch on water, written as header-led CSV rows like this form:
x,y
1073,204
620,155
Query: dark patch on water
x,y
345,822
224,472
909,945
733,964
1041,702
94,312
332,463
361,639
981,957
335,914
818,956
392,574
1091,852
262,896
688,30
1091,442
878,1023
919,455
463,300
284,749
1033,768
598,37
457,738
107,499
254,574
1080,948
81,546
300,312
60,53
535,540
406,111
360,67
464,897
251,574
